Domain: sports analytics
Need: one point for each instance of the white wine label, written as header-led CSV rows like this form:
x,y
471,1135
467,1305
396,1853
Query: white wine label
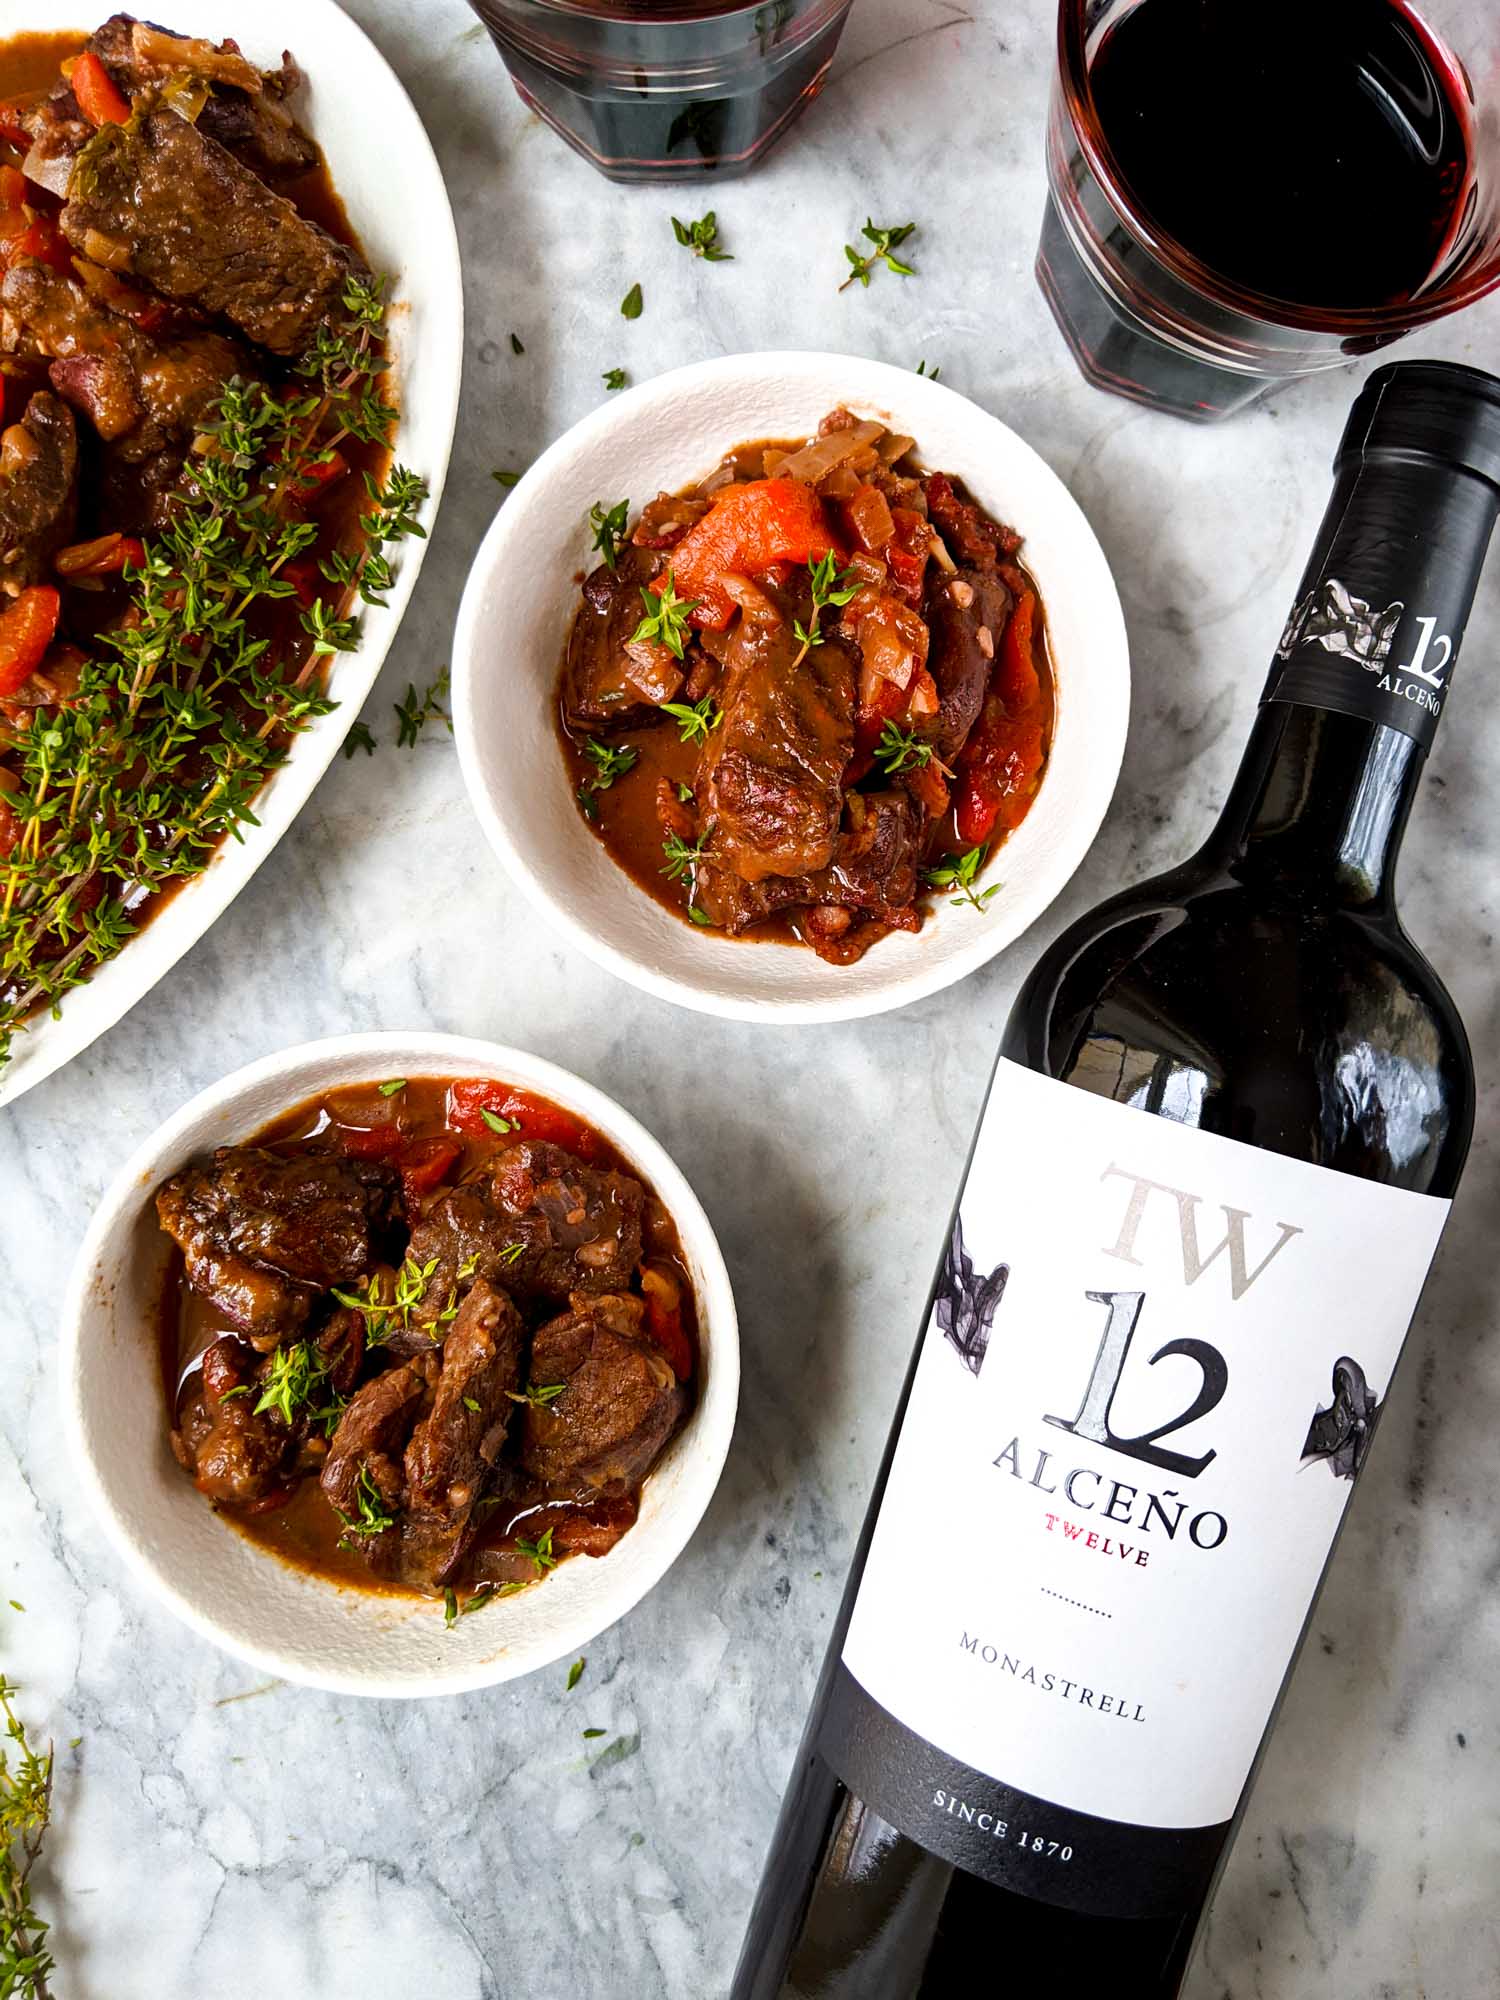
x,y
1150,1374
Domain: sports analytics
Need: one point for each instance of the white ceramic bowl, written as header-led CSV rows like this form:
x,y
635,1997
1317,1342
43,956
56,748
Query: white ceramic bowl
x,y
512,627
392,188
243,1598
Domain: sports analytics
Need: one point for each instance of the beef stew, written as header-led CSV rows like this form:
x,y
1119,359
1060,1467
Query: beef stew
x,y
424,1336
196,486
807,695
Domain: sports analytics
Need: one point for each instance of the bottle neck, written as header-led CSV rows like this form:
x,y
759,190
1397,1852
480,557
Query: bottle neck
x,y
1360,680
1319,806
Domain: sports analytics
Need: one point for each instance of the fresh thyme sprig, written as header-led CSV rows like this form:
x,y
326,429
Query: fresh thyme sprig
x,y
610,761
902,750
694,720
702,238
190,703
25,1814
539,1395
885,241
413,714
666,620
681,858
608,524
958,871
830,586
360,738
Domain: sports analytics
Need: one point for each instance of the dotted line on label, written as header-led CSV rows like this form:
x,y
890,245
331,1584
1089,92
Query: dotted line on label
x,y
1075,1601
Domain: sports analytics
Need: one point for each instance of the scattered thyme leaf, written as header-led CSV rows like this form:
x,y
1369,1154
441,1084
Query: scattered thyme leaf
x,y
589,1734
614,378
575,1674
413,715
539,1552
396,1083
496,1123
515,344
359,738
702,238
932,374
608,524
610,761
506,478
630,305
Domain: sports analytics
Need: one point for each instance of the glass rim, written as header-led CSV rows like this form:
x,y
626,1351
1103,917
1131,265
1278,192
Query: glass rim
x,y
1349,322
668,13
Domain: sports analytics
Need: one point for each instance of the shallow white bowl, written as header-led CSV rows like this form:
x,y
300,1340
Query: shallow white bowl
x,y
243,1598
513,622
392,187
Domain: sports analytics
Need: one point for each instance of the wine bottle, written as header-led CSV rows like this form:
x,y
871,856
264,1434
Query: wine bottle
x,y
1231,1107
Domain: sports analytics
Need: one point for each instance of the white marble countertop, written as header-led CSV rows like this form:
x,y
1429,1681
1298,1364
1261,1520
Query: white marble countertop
x,y
219,1837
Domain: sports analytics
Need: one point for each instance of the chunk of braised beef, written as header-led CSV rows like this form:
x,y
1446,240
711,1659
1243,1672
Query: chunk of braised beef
x,y
572,1228
967,614
620,1401
771,781
970,535
873,875
236,1456
371,1438
463,1240
164,202
146,396
244,109
455,1446
262,1233
38,491
600,685
666,519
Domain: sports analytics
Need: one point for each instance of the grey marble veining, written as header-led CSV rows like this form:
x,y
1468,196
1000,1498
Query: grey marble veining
x,y
218,1837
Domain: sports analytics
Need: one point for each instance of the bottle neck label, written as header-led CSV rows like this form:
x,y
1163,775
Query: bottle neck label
x,y
1380,614
1153,1363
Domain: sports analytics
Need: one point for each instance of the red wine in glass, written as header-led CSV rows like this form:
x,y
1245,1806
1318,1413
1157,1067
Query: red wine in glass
x,y
1293,161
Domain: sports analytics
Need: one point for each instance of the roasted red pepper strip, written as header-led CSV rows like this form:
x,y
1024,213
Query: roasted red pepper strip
x,y
98,99
424,1164
999,765
748,528
26,629
528,1117
664,1329
43,242
372,1142
106,555
1014,677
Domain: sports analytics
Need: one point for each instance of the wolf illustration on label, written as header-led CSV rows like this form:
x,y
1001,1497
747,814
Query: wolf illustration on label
x,y
1332,617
